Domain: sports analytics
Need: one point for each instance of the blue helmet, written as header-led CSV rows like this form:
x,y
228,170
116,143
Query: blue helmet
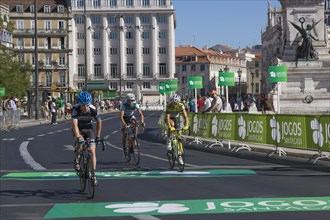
x,y
84,98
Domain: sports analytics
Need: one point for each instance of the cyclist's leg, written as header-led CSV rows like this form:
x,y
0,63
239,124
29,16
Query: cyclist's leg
x,y
92,148
168,140
124,134
134,123
78,148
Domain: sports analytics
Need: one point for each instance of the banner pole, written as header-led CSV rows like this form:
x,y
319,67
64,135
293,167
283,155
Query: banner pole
x,y
227,99
195,100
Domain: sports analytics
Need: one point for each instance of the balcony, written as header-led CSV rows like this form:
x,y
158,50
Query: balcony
x,y
41,32
54,48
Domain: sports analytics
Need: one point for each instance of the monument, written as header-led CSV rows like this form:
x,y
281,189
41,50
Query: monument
x,y
302,41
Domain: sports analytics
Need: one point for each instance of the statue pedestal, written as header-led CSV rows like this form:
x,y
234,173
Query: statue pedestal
x,y
309,78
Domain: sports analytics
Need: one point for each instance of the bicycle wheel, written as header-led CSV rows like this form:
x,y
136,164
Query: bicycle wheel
x,y
171,155
127,153
181,159
136,151
82,173
90,177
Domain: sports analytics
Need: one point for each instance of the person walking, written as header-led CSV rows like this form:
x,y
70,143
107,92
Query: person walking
x,y
53,110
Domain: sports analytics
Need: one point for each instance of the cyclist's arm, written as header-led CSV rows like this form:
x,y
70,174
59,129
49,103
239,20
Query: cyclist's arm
x,y
98,127
122,118
168,120
185,115
75,128
141,116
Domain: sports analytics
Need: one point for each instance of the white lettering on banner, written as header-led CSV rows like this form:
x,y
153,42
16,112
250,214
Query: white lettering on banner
x,y
225,124
327,133
255,126
292,140
238,204
210,206
291,128
224,134
255,137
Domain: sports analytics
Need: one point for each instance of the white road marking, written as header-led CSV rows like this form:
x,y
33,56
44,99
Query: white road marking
x,y
30,139
28,159
145,217
8,139
69,147
41,135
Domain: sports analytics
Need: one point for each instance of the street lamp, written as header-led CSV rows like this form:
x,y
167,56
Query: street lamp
x,y
252,84
220,71
239,72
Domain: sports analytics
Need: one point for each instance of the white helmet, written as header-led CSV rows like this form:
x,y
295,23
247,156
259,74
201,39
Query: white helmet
x,y
130,96
175,98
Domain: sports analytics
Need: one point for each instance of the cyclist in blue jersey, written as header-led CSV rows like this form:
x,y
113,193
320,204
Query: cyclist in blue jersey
x,y
127,116
82,116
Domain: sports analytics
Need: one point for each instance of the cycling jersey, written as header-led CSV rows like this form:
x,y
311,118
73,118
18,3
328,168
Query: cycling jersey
x,y
174,109
85,119
129,110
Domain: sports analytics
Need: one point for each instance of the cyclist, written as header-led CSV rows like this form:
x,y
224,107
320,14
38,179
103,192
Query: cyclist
x,y
173,110
127,115
82,116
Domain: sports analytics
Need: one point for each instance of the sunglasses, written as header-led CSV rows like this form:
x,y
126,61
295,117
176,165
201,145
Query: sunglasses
x,y
85,106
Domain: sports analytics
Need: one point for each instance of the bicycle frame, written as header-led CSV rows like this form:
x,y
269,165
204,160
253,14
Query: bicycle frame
x,y
130,134
178,150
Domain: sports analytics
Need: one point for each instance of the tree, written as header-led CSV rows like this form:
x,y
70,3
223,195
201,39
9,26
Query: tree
x,y
15,76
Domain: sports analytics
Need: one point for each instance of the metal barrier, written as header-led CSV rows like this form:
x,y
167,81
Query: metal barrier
x,y
10,120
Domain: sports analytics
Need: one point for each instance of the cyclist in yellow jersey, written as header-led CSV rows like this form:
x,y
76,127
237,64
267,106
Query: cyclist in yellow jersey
x,y
173,110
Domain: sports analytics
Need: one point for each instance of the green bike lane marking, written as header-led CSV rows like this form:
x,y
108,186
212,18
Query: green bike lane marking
x,y
127,174
186,207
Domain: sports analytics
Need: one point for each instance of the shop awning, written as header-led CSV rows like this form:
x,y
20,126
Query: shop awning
x,y
97,86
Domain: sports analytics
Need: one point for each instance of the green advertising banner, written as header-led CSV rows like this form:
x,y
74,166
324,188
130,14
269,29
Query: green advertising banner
x,y
298,131
199,124
226,79
2,91
109,95
161,88
195,82
278,74
171,86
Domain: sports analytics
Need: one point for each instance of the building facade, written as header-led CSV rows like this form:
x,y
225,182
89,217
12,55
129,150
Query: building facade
x,y
5,27
53,51
127,44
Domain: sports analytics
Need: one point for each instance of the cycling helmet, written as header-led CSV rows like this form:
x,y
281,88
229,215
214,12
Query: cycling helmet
x,y
130,96
84,98
175,98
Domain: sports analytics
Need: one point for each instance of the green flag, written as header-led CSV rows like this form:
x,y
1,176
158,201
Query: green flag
x,y
195,82
277,74
226,79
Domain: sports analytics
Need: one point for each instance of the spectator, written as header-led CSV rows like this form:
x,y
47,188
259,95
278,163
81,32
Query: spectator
x,y
267,105
68,107
216,104
207,102
200,103
53,109
45,110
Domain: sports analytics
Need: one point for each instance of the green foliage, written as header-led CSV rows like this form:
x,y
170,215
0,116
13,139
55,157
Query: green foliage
x,y
15,76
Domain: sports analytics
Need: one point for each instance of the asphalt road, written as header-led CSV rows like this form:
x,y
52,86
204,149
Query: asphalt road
x,y
38,181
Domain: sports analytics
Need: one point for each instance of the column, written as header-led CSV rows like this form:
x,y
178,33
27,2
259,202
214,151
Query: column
x,y
105,47
90,45
171,46
154,45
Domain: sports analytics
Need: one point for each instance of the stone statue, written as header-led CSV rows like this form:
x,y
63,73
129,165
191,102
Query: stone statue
x,y
306,50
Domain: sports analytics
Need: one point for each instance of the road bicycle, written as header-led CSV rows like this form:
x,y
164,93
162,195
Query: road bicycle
x,y
86,172
177,152
131,145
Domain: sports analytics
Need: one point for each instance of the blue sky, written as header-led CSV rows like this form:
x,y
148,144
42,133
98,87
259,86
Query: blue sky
x,y
236,23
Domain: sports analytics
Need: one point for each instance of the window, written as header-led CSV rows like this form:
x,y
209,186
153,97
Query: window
x,y
20,42
129,85
202,67
81,51
184,68
81,70
146,69
48,60
257,72
162,69
113,85
112,20
129,20
193,67
49,80
112,35
96,19
20,24
113,2
80,36
32,8
162,35
113,51
62,78
47,9
32,24
113,70
81,85
33,42
62,60
162,50
145,50
129,35
19,8
129,50
146,85
130,70
129,2
33,60
47,25
80,3
80,19
96,3
161,2
161,19
145,19
96,35
97,70
97,51
60,9
146,34
257,87
20,57
145,2
61,25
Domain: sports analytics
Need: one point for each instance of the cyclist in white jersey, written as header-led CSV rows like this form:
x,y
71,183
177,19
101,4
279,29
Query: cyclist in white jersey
x,y
127,116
